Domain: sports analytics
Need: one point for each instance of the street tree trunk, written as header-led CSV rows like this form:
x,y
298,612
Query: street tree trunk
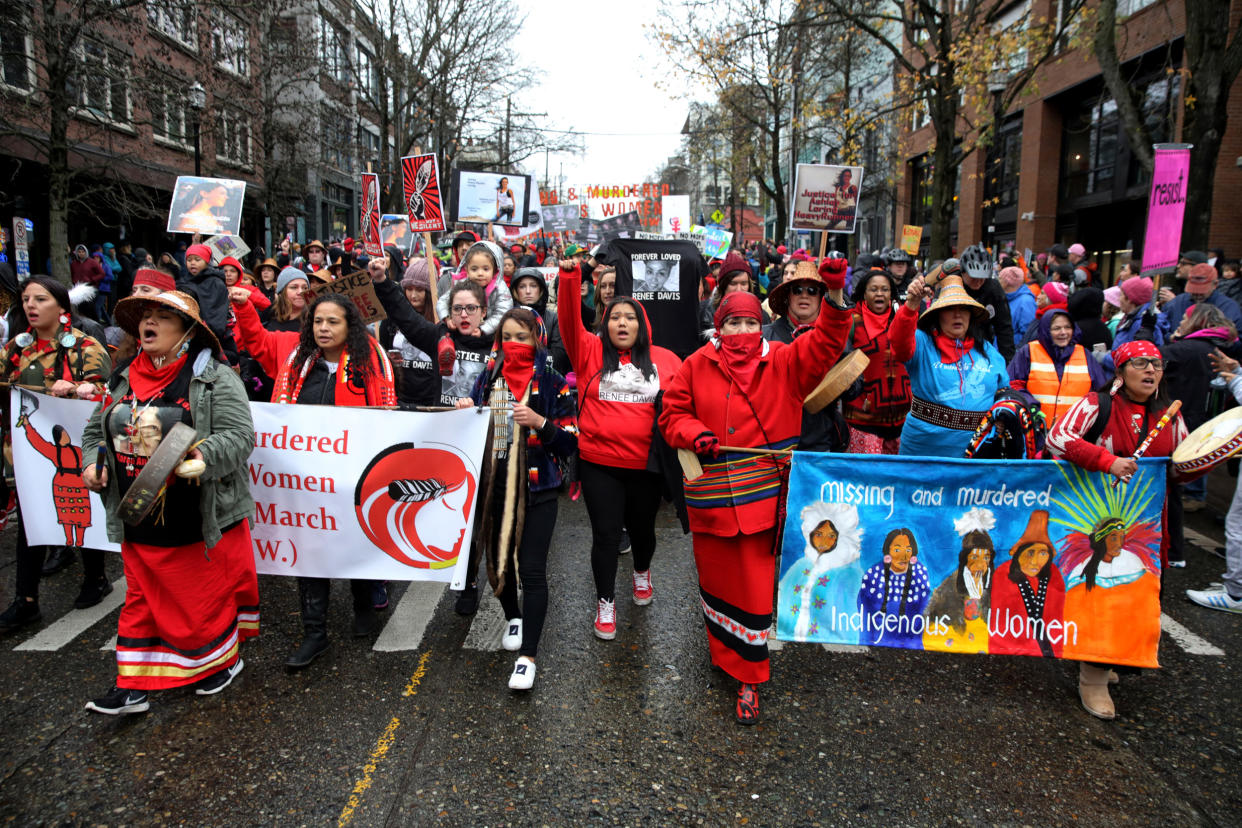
x,y
1213,60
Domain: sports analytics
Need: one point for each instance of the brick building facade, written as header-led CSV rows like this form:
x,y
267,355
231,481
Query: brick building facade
x,y
1061,170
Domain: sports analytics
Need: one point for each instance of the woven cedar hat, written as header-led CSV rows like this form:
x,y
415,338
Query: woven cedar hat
x,y
952,294
129,311
804,271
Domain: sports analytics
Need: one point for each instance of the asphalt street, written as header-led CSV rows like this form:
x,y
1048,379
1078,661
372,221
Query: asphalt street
x,y
418,727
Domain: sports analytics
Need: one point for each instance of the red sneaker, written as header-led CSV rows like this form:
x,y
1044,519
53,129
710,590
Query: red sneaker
x,y
747,704
643,593
606,620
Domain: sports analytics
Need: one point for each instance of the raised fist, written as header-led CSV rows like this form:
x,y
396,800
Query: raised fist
x,y
832,271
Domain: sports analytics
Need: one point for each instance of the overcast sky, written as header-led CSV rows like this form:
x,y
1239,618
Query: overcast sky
x,y
599,74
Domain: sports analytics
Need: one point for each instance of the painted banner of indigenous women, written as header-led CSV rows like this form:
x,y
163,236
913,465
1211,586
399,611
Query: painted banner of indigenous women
x,y
1012,558
339,493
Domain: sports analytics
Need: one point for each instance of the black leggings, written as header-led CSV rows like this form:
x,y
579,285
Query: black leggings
x,y
618,499
532,570
30,562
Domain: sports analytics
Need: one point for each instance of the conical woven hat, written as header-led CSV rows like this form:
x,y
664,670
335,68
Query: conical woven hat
x,y
952,294
805,271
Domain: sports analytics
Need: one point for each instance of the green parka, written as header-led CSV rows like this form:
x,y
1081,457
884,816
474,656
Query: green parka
x,y
222,421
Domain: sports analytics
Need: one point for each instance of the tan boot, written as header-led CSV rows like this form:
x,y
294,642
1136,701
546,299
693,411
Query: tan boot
x,y
1093,690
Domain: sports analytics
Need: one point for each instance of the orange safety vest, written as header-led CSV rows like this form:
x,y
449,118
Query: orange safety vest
x,y
1057,394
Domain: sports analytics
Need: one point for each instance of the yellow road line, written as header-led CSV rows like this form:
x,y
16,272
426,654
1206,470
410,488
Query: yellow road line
x,y
382,746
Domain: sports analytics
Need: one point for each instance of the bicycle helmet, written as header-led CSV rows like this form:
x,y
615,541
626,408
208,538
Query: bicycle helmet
x,y
977,263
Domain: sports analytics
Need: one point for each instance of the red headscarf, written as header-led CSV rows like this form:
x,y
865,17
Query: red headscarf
x,y
739,303
739,352
1132,349
517,367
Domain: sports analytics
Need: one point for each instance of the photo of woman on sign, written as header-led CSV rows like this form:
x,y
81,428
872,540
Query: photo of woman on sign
x,y
505,203
210,206
847,198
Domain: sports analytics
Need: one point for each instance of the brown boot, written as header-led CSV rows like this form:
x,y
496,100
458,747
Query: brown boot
x,y
1093,690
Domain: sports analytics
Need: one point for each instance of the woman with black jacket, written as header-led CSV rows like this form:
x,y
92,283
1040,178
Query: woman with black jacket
x,y
409,334
534,432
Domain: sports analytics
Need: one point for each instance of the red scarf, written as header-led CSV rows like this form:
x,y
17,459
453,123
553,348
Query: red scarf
x,y
952,350
146,380
739,353
517,367
874,323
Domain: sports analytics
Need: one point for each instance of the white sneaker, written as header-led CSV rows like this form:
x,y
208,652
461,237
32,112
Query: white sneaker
x,y
1212,599
523,677
512,640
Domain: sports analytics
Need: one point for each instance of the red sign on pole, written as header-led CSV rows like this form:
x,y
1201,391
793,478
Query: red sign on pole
x,y
421,179
370,223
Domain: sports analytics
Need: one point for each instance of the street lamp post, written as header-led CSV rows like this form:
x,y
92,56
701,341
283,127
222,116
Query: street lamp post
x,y
198,102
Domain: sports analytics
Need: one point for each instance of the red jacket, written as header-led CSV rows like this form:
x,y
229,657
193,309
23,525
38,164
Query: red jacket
x,y
274,350
885,399
616,430
86,272
1128,424
739,493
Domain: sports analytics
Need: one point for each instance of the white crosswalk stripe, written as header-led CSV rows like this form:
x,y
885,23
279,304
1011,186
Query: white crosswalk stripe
x,y
1187,640
404,630
63,630
488,626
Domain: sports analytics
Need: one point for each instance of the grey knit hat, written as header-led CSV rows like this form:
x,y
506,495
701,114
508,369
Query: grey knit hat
x,y
288,275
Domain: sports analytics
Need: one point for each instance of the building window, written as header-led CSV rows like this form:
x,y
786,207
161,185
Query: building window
x,y
233,136
920,193
364,71
922,170
368,145
229,43
1125,8
175,19
337,149
332,44
332,191
1000,187
16,49
101,85
168,112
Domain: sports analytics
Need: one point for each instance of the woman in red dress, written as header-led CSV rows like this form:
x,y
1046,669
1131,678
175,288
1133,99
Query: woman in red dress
x,y
743,391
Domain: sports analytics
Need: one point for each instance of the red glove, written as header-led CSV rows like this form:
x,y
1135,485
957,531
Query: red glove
x,y
446,355
832,271
707,444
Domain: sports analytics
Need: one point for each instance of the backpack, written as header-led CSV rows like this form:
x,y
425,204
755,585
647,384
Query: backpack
x,y
1010,430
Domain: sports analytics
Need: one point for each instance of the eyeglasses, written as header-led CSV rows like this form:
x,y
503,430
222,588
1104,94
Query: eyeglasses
x,y
460,309
1143,362
805,290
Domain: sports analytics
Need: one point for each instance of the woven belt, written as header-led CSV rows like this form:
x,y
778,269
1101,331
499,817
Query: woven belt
x,y
945,417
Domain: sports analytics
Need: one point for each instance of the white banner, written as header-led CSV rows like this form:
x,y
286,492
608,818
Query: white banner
x,y
339,492
675,210
55,427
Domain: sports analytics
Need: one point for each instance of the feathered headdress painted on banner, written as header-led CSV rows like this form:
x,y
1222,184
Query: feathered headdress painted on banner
x,y
976,520
1096,509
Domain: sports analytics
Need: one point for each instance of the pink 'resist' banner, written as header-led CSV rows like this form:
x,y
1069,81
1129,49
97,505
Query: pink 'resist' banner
x,y
1166,206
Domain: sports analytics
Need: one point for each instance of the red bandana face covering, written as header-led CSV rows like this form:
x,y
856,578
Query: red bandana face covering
x,y
518,366
740,355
